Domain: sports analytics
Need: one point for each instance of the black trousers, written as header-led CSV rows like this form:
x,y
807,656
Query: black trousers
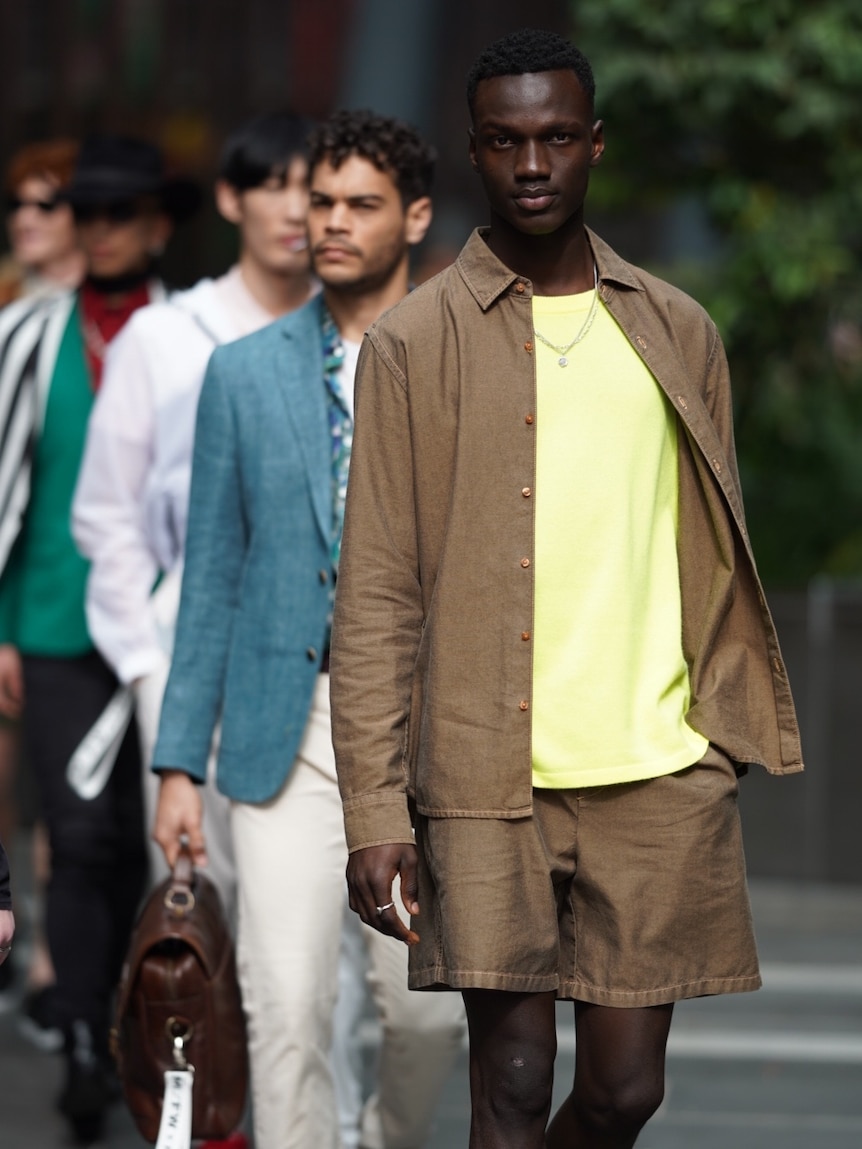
x,y
98,851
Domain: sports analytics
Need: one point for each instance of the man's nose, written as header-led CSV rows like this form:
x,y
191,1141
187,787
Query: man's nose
x,y
532,160
339,217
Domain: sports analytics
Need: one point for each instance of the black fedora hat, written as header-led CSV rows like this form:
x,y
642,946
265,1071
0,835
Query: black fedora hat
x,y
112,168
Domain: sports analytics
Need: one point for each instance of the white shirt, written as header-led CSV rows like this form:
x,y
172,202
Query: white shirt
x,y
347,373
130,508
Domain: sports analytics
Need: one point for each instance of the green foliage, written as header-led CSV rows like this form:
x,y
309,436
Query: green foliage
x,y
752,107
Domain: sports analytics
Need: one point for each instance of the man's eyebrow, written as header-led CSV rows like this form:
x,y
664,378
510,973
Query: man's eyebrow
x,y
362,197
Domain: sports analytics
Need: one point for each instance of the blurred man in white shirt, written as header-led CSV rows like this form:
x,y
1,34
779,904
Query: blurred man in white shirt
x,y
131,502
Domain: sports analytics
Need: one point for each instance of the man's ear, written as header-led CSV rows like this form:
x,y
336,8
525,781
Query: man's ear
x,y
227,200
417,219
471,135
161,230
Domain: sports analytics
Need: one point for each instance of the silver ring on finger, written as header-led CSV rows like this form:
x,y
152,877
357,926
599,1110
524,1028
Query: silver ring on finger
x,y
383,909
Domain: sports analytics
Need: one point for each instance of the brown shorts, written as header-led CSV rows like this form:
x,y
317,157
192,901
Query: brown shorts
x,y
625,895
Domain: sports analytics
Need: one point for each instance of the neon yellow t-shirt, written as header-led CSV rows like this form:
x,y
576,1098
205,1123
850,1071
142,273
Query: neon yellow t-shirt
x,y
610,682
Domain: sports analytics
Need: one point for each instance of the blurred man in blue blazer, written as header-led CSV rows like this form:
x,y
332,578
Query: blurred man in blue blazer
x,y
272,448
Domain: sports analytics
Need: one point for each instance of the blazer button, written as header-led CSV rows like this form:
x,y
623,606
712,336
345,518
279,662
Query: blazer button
x,y
311,654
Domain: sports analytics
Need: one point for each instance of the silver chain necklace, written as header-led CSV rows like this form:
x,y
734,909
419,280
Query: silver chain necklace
x,y
585,327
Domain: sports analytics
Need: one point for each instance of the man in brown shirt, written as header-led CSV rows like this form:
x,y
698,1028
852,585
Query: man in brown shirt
x,y
622,897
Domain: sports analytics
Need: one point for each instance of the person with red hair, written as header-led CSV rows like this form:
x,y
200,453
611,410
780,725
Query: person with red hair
x,y
45,254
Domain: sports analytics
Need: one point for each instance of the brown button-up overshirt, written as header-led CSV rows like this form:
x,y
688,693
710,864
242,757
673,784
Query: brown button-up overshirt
x,y
431,672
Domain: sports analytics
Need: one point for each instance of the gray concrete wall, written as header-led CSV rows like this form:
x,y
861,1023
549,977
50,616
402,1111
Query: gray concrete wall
x,y
807,826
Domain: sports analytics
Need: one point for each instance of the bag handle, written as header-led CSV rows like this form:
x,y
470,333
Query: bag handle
x,y
179,896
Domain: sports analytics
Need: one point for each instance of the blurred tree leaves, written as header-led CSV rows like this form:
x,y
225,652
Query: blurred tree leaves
x,y
753,108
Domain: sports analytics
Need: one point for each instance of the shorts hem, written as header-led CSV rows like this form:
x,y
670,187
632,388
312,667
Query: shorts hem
x,y
439,977
663,995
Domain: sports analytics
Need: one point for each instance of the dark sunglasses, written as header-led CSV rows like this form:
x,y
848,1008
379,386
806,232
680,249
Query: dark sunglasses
x,y
46,206
117,211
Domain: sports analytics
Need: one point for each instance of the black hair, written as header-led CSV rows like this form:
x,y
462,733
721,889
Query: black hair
x,y
393,146
263,147
530,50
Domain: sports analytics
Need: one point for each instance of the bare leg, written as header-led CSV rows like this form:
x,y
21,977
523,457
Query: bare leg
x,y
513,1042
619,1077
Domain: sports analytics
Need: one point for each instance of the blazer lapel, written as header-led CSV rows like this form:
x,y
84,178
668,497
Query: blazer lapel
x,y
302,388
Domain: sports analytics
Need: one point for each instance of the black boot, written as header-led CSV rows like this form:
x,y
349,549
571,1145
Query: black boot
x,y
86,1093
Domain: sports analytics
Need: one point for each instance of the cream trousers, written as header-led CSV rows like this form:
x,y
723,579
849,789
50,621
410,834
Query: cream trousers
x,y
290,856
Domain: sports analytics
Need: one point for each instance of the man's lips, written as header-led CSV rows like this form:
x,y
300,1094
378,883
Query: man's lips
x,y
334,252
534,199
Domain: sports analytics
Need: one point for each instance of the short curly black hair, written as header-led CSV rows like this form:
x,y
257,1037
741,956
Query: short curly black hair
x,y
393,146
530,50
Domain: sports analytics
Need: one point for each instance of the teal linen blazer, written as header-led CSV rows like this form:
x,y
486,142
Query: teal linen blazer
x,y
255,597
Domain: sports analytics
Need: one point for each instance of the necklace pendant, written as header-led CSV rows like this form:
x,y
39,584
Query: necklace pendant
x,y
563,361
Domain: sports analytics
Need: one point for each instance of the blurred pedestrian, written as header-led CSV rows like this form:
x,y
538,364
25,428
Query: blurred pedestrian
x,y
45,257
52,351
131,504
272,447
551,656
7,918
45,254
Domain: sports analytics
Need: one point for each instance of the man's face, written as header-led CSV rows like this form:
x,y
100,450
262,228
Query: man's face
x,y
41,228
271,219
533,143
359,229
121,237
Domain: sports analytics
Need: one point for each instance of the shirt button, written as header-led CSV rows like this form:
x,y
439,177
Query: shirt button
x,y
519,287
525,636
776,662
716,465
311,654
681,400
323,576
528,346
523,704
525,563
526,492
528,419
640,342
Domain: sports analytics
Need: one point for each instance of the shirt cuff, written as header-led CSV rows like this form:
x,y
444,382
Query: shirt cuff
x,y
377,820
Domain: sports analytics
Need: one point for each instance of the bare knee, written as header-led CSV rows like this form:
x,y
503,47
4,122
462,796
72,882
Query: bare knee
x,y
513,1043
620,1106
516,1081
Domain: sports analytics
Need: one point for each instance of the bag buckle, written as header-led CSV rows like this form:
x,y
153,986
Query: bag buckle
x,y
179,901
179,1032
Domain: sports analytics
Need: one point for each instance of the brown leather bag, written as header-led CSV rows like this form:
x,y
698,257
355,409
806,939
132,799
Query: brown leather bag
x,y
178,1000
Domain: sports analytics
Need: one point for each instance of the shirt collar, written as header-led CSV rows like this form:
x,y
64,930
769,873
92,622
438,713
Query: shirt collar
x,y
487,278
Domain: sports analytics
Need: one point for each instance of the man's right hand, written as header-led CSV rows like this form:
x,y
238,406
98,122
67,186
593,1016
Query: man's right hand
x,y
11,681
179,817
370,874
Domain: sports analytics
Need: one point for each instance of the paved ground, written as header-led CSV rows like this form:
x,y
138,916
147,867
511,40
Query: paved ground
x,y
781,1069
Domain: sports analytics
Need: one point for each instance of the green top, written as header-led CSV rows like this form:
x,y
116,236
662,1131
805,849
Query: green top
x,y
42,588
